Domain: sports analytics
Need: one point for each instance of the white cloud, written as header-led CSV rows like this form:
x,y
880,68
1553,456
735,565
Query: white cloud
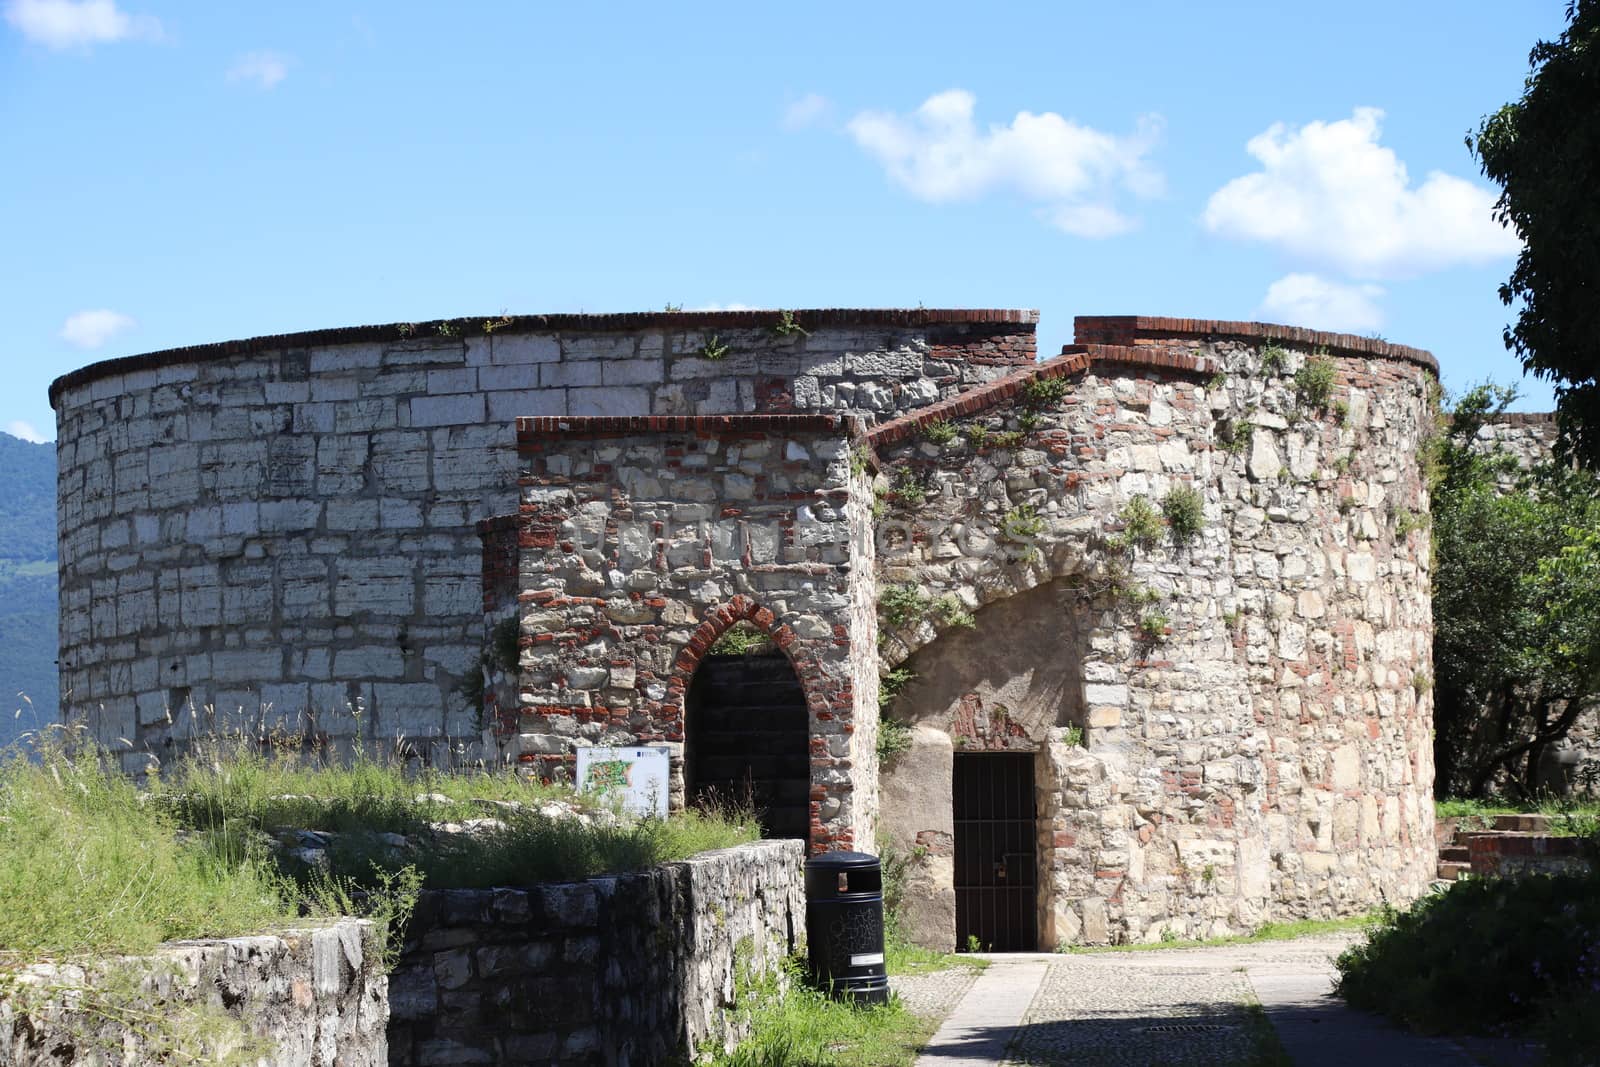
x,y
1072,171
1315,302
806,111
1330,194
91,329
26,431
266,69
79,23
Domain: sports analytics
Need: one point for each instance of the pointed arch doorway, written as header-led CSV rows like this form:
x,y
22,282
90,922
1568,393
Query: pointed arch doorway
x,y
747,735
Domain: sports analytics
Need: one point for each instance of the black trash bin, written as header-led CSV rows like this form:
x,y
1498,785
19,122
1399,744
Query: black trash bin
x,y
844,926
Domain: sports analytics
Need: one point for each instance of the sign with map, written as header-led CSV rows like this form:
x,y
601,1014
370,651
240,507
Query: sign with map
x,y
634,779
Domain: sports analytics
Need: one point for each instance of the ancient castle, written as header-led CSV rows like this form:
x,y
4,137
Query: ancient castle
x,y
1154,612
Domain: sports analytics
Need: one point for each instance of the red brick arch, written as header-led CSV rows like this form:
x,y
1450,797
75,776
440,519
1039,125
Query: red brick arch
x,y
724,617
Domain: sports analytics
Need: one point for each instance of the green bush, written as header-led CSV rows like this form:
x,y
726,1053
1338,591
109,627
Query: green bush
x,y
1313,383
1184,509
1485,955
939,432
1141,525
1045,392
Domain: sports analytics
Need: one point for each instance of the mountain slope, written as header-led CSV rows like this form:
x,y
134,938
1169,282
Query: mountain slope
x,y
28,615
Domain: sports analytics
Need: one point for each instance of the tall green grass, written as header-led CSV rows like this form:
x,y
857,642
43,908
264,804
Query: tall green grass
x,y
89,866
807,1028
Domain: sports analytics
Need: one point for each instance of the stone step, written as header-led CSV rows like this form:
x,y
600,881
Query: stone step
x,y
1450,871
1524,823
1455,854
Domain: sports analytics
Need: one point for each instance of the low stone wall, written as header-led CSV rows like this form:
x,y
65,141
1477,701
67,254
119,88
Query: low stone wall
x,y
1525,853
312,997
639,968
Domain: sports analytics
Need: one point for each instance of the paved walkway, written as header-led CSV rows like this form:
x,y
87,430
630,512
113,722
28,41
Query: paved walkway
x,y
1171,1008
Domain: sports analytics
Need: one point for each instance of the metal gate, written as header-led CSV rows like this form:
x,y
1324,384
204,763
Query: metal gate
x,y
996,828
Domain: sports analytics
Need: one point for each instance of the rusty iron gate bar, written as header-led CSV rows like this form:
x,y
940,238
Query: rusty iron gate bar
x,y
996,826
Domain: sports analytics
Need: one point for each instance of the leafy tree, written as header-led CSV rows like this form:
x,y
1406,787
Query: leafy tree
x,y
1516,605
1544,151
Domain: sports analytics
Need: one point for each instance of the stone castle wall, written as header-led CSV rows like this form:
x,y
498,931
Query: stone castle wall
x,y
635,968
312,996
643,540
1225,731
1268,755
283,533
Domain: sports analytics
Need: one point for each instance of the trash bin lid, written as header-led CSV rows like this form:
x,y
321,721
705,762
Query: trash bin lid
x,y
841,861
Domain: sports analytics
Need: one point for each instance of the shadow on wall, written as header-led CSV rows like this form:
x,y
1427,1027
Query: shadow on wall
x,y
1013,683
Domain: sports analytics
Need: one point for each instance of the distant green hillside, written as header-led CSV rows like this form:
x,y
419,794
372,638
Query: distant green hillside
x,y
27,584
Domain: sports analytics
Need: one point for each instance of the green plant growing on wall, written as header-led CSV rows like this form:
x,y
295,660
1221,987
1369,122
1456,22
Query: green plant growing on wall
x,y
714,349
978,436
1153,626
894,737
949,610
448,329
860,461
903,605
491,325
1008,439
1022,523
880,504
1341,412
1406,521
1072,735
892,683
1273,359
1028,421
1217,381
1141,526
738,640
1045,392
787,327
1234,435
1231,617
671,307
1141,596
1313,383
939,432
907,489
1184,509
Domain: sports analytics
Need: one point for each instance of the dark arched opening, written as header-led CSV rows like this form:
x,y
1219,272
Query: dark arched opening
x,y
748,735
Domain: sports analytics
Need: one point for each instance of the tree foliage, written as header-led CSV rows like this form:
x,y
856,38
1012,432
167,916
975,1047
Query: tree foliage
x,y
1544,152
1516,605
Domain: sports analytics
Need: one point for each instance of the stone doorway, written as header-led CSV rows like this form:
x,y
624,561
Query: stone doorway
x,y
996,862
748,740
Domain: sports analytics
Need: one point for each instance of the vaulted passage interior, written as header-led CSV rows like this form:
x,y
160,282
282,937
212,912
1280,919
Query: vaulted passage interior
x,y
748,736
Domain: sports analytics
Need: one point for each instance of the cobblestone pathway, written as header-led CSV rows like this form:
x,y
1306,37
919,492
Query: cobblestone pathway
x,y
1090,1012
935,994
1168,1008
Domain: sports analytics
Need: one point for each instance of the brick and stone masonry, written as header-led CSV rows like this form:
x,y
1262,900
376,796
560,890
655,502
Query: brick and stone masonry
x,y
517,537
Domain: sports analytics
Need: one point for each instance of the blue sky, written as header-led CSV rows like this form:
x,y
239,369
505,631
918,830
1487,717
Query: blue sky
x,y
176,173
